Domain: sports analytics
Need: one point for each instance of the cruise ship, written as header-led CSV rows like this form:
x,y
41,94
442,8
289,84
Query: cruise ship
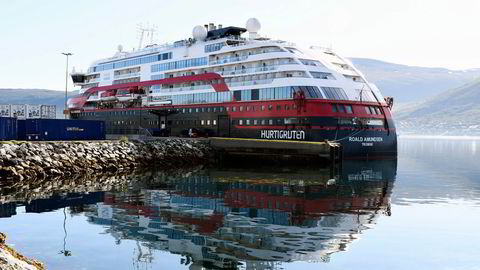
x,y
235,82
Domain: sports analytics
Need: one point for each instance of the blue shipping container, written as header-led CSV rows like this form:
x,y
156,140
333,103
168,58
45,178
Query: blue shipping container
x,y
21,132
64,130
8,128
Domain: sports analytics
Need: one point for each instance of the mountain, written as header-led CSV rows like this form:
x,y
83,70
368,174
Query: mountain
x,y
453,112
35,97
411,83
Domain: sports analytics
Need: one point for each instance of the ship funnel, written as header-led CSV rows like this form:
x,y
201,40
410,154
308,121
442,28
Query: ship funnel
x,y
220,26
210,26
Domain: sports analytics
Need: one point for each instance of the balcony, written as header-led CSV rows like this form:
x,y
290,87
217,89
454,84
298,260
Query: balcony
x,y
246,70
228,60
247,83
127,75
184,88
95,80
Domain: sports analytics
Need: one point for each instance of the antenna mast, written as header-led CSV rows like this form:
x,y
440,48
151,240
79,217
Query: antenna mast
x,y
148,30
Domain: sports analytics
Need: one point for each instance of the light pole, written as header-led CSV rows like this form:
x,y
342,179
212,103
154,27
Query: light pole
x,y
66,85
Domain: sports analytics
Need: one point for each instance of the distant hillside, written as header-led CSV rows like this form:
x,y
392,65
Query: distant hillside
x,y
453,112
34,96
410,83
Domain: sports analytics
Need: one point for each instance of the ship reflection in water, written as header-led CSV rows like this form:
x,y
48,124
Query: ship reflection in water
x,y
233,219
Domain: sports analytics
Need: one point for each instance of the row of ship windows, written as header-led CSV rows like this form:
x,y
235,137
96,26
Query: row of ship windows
x,y
275,93
373,110
342,108
132,62
240,122
348,109
214,47
335,108
201,61
247,122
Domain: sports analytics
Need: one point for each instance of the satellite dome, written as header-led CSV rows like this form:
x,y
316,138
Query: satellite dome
x,y
120,48
199,32
253,25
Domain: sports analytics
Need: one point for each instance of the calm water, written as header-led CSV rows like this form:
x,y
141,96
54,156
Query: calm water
x,y
420,212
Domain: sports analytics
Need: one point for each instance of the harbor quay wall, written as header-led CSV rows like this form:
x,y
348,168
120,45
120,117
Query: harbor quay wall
x,y
31,160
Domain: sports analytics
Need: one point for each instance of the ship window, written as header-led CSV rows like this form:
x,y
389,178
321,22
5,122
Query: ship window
x,y
378,110
263,122
255,94
208,122
247,122
227,108
334,108
322,75
287,107
349,108
202,122
233,122
214,122
255,122
247,108
196,109
335,93
270,107
263,107
237,95
270,121
240,122
372,110
190,110
241,108
367,110
234,109
341,108
279,107
221,109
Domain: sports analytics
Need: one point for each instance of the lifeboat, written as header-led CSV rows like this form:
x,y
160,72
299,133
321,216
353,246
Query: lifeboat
x,y
108,96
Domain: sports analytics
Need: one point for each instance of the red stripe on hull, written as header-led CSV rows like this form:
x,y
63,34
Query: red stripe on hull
x,y
220,87
314,108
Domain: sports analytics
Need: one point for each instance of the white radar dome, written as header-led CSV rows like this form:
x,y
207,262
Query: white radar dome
x,y
199,32
253,25
120,48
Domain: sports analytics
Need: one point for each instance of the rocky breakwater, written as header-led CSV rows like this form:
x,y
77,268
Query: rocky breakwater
x,y
26,160
12,260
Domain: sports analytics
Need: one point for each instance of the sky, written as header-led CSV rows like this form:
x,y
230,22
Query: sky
x,y
430,33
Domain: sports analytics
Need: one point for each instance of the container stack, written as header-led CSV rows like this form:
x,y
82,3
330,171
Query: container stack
x,y
23,111
38,123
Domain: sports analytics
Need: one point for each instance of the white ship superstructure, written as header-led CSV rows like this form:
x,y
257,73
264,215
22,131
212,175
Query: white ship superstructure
x,y
242,84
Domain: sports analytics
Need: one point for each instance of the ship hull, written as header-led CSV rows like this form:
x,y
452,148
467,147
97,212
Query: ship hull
x,y
313,122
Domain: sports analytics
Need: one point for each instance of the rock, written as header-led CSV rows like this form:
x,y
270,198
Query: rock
x,y
30,160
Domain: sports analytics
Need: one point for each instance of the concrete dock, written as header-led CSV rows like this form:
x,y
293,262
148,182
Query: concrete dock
x,y
278,149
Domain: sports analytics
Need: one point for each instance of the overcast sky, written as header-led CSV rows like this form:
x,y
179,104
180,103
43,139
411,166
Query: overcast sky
x,y
433,33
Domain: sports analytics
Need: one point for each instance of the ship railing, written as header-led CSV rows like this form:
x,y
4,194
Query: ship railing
x,y
184,88
247,70
253,82
229,60
93,80
133,74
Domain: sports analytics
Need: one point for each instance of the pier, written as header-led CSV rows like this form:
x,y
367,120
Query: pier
x,y
276,149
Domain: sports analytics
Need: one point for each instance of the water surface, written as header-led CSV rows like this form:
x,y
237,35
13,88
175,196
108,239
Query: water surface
x,y
421,211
